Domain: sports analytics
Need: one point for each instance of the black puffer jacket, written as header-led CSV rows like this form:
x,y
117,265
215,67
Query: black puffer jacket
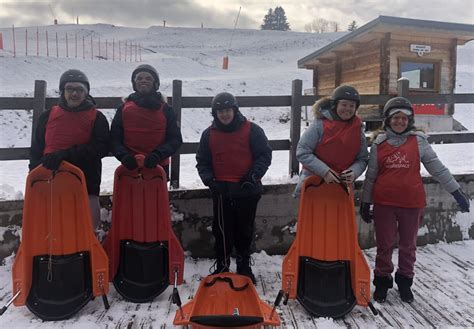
x,y
85,156
261,154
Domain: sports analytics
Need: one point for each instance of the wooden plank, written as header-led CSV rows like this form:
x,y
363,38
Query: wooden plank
x,y
16,103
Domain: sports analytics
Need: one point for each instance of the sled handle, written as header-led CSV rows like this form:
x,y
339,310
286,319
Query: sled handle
x,y
4,308
277,302
369,303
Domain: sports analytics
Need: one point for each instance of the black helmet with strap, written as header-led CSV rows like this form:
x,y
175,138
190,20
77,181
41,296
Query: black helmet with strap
x,y
397,103
146,68
345,92
223,101
73,75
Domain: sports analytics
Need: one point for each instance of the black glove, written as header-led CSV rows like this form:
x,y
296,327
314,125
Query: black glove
x,y
52,161
129,162
365,212
462,199
248,181
151,160
216,187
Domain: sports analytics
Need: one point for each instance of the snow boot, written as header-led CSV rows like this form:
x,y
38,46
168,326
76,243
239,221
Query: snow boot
x,y
404,283
382,284
220,266
243,268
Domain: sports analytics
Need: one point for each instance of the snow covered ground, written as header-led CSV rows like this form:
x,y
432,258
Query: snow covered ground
x,y
260,63
444,277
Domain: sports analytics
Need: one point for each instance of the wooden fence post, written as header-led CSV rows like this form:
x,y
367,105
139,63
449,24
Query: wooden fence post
x,y
402,87
38,104
177,104
295,128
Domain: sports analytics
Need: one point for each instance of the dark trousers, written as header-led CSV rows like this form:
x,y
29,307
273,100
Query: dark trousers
x,y
233,225
389,221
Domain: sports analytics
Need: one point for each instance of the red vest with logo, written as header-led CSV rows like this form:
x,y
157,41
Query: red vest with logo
x,y
340,143
65,128
231,153
143,129
399,181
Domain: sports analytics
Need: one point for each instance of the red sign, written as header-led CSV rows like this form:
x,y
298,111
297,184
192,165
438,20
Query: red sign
x,y
436,109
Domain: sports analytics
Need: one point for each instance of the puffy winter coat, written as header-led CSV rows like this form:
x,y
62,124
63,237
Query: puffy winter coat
x,y
260,151
427,156
314,134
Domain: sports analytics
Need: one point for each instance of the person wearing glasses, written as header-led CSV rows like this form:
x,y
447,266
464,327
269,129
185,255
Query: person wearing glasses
x,y
74,131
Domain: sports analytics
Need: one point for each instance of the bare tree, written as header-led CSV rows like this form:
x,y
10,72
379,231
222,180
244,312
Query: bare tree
x,y
321,25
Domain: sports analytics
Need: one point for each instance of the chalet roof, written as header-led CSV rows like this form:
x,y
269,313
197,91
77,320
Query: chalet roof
x,y
376,28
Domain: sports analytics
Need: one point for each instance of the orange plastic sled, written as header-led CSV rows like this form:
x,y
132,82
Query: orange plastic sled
x,y
60,264
324,267
145,255
226,300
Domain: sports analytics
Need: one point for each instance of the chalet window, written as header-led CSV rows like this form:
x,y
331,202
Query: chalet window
x,y
422,75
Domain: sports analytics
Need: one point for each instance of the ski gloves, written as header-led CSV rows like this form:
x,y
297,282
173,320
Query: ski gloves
x,y
151,161
248,181
52,161
366,213
129,162
462,199
347,177
216,187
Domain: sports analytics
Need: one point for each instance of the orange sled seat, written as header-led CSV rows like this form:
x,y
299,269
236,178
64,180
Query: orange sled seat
x,y
226,300
145,255
60,265
324,268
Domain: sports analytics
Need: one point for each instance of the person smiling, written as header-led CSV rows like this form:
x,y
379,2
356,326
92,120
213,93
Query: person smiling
x,y
393,184
76,132
145,124
334,145
233,156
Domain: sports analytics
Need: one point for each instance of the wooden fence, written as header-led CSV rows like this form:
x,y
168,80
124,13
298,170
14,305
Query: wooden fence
x,y
295,101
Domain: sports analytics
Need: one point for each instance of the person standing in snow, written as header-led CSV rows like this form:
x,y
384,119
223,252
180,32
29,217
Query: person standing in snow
x,y
334,146
233,156
76,132
393,184
145,124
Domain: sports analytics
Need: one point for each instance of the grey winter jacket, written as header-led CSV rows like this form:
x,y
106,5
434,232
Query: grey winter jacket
x,y
310,139
427,156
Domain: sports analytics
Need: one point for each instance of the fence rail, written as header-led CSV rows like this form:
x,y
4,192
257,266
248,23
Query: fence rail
x,y
295,101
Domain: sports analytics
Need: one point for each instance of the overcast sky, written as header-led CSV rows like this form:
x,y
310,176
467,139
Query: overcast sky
x,y
222,13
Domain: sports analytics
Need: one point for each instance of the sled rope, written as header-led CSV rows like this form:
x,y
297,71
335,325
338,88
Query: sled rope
x,y
229,282
220,220
50,233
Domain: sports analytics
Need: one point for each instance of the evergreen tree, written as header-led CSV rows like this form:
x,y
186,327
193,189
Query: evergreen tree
x,y
352,26
275,20
268,20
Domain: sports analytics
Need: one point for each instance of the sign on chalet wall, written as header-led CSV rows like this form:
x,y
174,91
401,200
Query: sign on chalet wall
x,y
420,49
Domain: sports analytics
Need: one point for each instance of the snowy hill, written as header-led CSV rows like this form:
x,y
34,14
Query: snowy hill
x,y
260,63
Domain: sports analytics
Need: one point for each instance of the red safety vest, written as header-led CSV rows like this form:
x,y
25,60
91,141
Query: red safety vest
x,y
399,181
340,143
231,153
65,128
144,129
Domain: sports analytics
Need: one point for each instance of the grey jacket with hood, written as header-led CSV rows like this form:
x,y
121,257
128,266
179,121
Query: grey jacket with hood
x,y
427,156
312,136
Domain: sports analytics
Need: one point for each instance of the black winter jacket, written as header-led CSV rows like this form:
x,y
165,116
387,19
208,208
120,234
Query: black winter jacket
x,y
173,138
87,157
261,154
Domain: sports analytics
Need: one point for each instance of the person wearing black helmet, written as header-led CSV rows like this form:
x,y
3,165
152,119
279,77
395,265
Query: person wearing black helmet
x,y
76,132
334,146
145,124
394,186
233,156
